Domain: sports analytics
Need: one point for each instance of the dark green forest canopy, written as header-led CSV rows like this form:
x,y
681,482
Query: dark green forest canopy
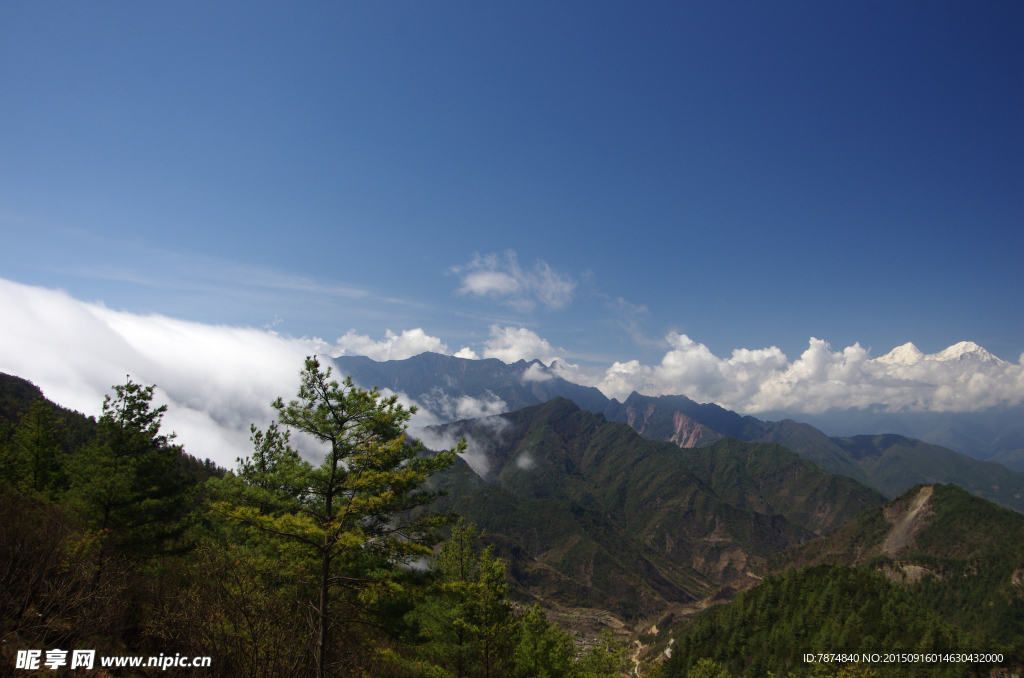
x,y
935,570
77,430
16,398
836,609
129,546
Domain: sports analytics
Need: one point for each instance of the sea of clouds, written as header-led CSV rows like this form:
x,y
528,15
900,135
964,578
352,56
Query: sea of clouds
x,y
216,380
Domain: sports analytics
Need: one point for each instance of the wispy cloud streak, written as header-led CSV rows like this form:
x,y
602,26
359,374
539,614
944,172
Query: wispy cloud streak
x,y
502,278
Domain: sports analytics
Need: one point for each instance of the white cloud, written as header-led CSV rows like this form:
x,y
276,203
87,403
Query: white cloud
x,y
621,379
215,379
536,373
448,408
467,353
478,449
512,344
502,278
525,462
392,347
821,379
483,283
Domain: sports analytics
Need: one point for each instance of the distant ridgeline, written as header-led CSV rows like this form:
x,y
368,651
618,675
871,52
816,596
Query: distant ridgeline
x,y
889,463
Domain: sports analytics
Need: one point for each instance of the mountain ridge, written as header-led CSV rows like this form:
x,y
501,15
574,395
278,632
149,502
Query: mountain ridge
x,y
609,510
450,386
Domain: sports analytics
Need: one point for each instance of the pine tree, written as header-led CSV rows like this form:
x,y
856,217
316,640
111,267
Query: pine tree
x,y
36,450
352,515
124,482
544,650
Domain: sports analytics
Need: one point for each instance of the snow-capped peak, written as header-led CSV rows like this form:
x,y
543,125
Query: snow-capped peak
x,y
907,354
965,350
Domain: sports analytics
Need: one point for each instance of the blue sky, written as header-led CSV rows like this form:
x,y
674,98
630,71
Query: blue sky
x,y
746,174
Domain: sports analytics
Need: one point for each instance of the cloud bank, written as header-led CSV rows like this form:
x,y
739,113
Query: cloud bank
x,y
512,344
478,448
215,379
962,378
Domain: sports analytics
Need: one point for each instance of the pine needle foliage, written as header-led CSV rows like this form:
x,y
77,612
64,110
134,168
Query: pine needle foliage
x,y
351,516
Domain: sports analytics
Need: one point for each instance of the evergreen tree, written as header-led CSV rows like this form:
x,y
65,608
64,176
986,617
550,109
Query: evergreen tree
x,y
544,650
472,630
469,621
123,482
352,515
36,450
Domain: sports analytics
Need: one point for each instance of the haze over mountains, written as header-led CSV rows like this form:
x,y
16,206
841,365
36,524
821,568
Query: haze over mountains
x,y
455,388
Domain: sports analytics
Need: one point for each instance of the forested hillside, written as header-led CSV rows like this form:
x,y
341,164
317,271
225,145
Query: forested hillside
x,y
113,538
935,571
590,513
117,541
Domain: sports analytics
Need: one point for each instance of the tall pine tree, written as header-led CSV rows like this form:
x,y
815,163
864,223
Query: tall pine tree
x,y
353,515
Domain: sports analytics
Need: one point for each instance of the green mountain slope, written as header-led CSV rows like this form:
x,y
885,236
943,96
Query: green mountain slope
x,y
893,463
932,525
963,553
17,396
981,435
560,551
809,443
1011,459
642,523
765,477
889,463
934,570
840,611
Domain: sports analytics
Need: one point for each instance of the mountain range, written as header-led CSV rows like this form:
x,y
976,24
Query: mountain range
x,y
591,514
743,551
456,388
